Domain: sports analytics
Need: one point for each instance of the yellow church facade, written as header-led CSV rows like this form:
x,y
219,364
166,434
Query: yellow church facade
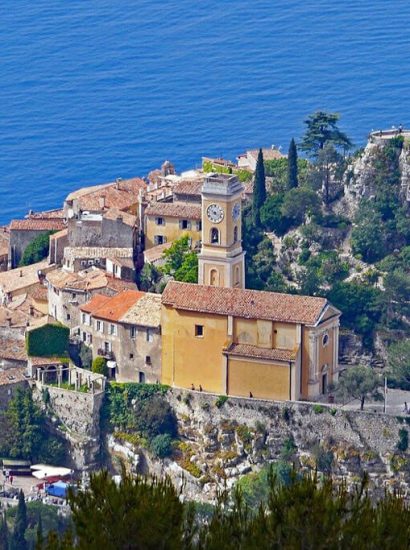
x,y
219,337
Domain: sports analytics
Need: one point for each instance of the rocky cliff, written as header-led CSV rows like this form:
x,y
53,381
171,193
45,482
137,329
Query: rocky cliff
x,y
220,441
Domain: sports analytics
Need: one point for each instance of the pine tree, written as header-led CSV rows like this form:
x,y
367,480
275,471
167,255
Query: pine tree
x,y
292,165
18,541
259,189
4,534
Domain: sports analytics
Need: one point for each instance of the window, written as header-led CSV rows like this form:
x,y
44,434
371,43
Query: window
x,y
107,347
325,339
84,337
148,359
83,263
131,356
237,276
113,330
68,317
184,224
133,332
83,318
235,234
198,225
73,295
159,239
159,221
214,235
214,277
150,335
199,330
141,377
99,325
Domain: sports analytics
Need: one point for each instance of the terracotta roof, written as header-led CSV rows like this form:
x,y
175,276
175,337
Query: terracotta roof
x,y
12,376
114,308
60,234
97,301
120,195
250,304
189,187
174,210
39,293
118,285
23,277
48,214
12,349
115,213
268,153
146,311
245,350
155,253
37,224
88,279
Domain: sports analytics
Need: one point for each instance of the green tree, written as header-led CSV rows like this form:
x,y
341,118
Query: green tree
x,y
398,361
359,383
161,445
259,188
155,416
321,128
39,534
326,169
299,203
4,533
100,365
149,278
271,215
18,540
181,262
368,235
292,165
37,249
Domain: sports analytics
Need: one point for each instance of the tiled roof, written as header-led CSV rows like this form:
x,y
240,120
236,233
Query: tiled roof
x,y
119,195
114,308
189,187
97,301
174,210
37,224
60,234
250,304
44,361
245,350
115,213
12,376
118,285
39,293
48,214
88,279
146,311
155,253
268,154
12,348
23,277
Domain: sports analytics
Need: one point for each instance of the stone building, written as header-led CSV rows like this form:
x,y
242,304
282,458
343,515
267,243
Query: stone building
x,y
248,159
23,232
10,380
248,343
67,291
168,221
20,281
126,330
4,248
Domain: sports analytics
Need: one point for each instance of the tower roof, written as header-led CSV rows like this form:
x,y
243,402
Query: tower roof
x,y
222,184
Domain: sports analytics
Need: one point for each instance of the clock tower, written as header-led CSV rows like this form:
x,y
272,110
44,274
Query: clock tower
x,y
222,260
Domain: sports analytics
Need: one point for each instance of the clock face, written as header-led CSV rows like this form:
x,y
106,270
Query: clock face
x,y
236,211
215,213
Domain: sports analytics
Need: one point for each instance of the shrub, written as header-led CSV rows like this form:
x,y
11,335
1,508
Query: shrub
x,y
100,366
220,402
403,443
154,416
318,409
161,445
37,249
50,340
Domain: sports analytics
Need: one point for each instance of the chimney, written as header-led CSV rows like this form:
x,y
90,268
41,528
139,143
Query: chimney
x,y
117,183
21,273
31,311
102,202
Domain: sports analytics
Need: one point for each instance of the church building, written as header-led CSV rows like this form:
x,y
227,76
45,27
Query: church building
x,y
219,337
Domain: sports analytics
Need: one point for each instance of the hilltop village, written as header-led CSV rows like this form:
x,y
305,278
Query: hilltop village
x,y
170,297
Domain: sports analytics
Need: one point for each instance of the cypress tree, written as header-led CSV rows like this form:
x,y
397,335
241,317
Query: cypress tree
x,y
4,533
18,541
39,538
292,165
259,189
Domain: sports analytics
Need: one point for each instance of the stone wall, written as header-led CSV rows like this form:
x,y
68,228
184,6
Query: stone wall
x,y
76,417
220,444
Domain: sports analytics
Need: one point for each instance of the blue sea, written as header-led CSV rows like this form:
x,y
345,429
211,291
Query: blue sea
x,y
95,89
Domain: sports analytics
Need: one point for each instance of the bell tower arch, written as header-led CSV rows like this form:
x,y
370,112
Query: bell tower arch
x,y
222,260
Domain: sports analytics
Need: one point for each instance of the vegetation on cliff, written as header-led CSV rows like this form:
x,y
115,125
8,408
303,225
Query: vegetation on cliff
x,y
141,513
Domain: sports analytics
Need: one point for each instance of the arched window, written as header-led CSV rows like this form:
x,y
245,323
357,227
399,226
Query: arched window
x,y
235,234
214,235
214,277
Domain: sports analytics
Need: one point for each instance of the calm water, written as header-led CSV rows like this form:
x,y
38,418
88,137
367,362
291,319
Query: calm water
x,y
95,89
